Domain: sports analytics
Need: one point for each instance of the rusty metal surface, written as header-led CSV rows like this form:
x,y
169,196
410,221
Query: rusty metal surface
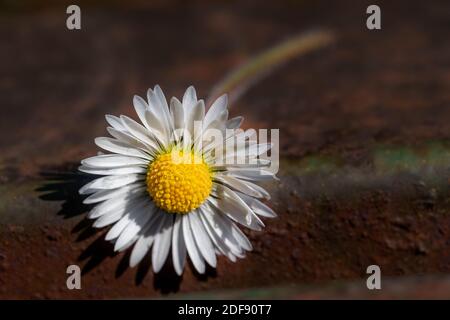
x,y
413,288
364,133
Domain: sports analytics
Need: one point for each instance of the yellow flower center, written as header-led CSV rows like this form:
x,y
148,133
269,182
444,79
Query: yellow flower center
x,y
179,181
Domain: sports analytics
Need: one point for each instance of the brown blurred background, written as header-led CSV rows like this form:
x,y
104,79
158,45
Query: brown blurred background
x,y
364,142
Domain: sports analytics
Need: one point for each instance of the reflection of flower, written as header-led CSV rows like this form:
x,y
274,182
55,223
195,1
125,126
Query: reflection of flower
x,y
159,188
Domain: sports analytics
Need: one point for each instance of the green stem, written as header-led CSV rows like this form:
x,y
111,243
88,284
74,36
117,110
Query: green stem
x,y
260,66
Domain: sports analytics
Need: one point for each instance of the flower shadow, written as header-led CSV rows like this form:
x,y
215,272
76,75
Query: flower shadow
x,y
62,184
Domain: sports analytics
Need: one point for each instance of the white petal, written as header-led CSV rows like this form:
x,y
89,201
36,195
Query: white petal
x,y
117,228
162,99
158,105
111,182
231,163
121,203
258,207
202,239
106,194
113,171
128,244
113,160
189,100
176,109
258,149
120,147
241,238
187,140
114,122
191,247
233,211
219,106
108,219
178,246
219,243
141,106
146,239
137,220
197,114
251,174
138,131
235,232
159,130
162,244
131,140
238,135
234,123
234,207
223,227
240,185
177,112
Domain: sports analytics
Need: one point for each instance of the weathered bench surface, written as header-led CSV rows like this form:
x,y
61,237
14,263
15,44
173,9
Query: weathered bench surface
x,y
364,127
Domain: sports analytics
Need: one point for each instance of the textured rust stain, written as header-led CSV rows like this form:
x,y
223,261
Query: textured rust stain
x,y
364,136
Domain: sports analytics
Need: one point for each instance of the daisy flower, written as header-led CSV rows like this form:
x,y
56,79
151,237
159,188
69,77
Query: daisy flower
x,y
167,187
